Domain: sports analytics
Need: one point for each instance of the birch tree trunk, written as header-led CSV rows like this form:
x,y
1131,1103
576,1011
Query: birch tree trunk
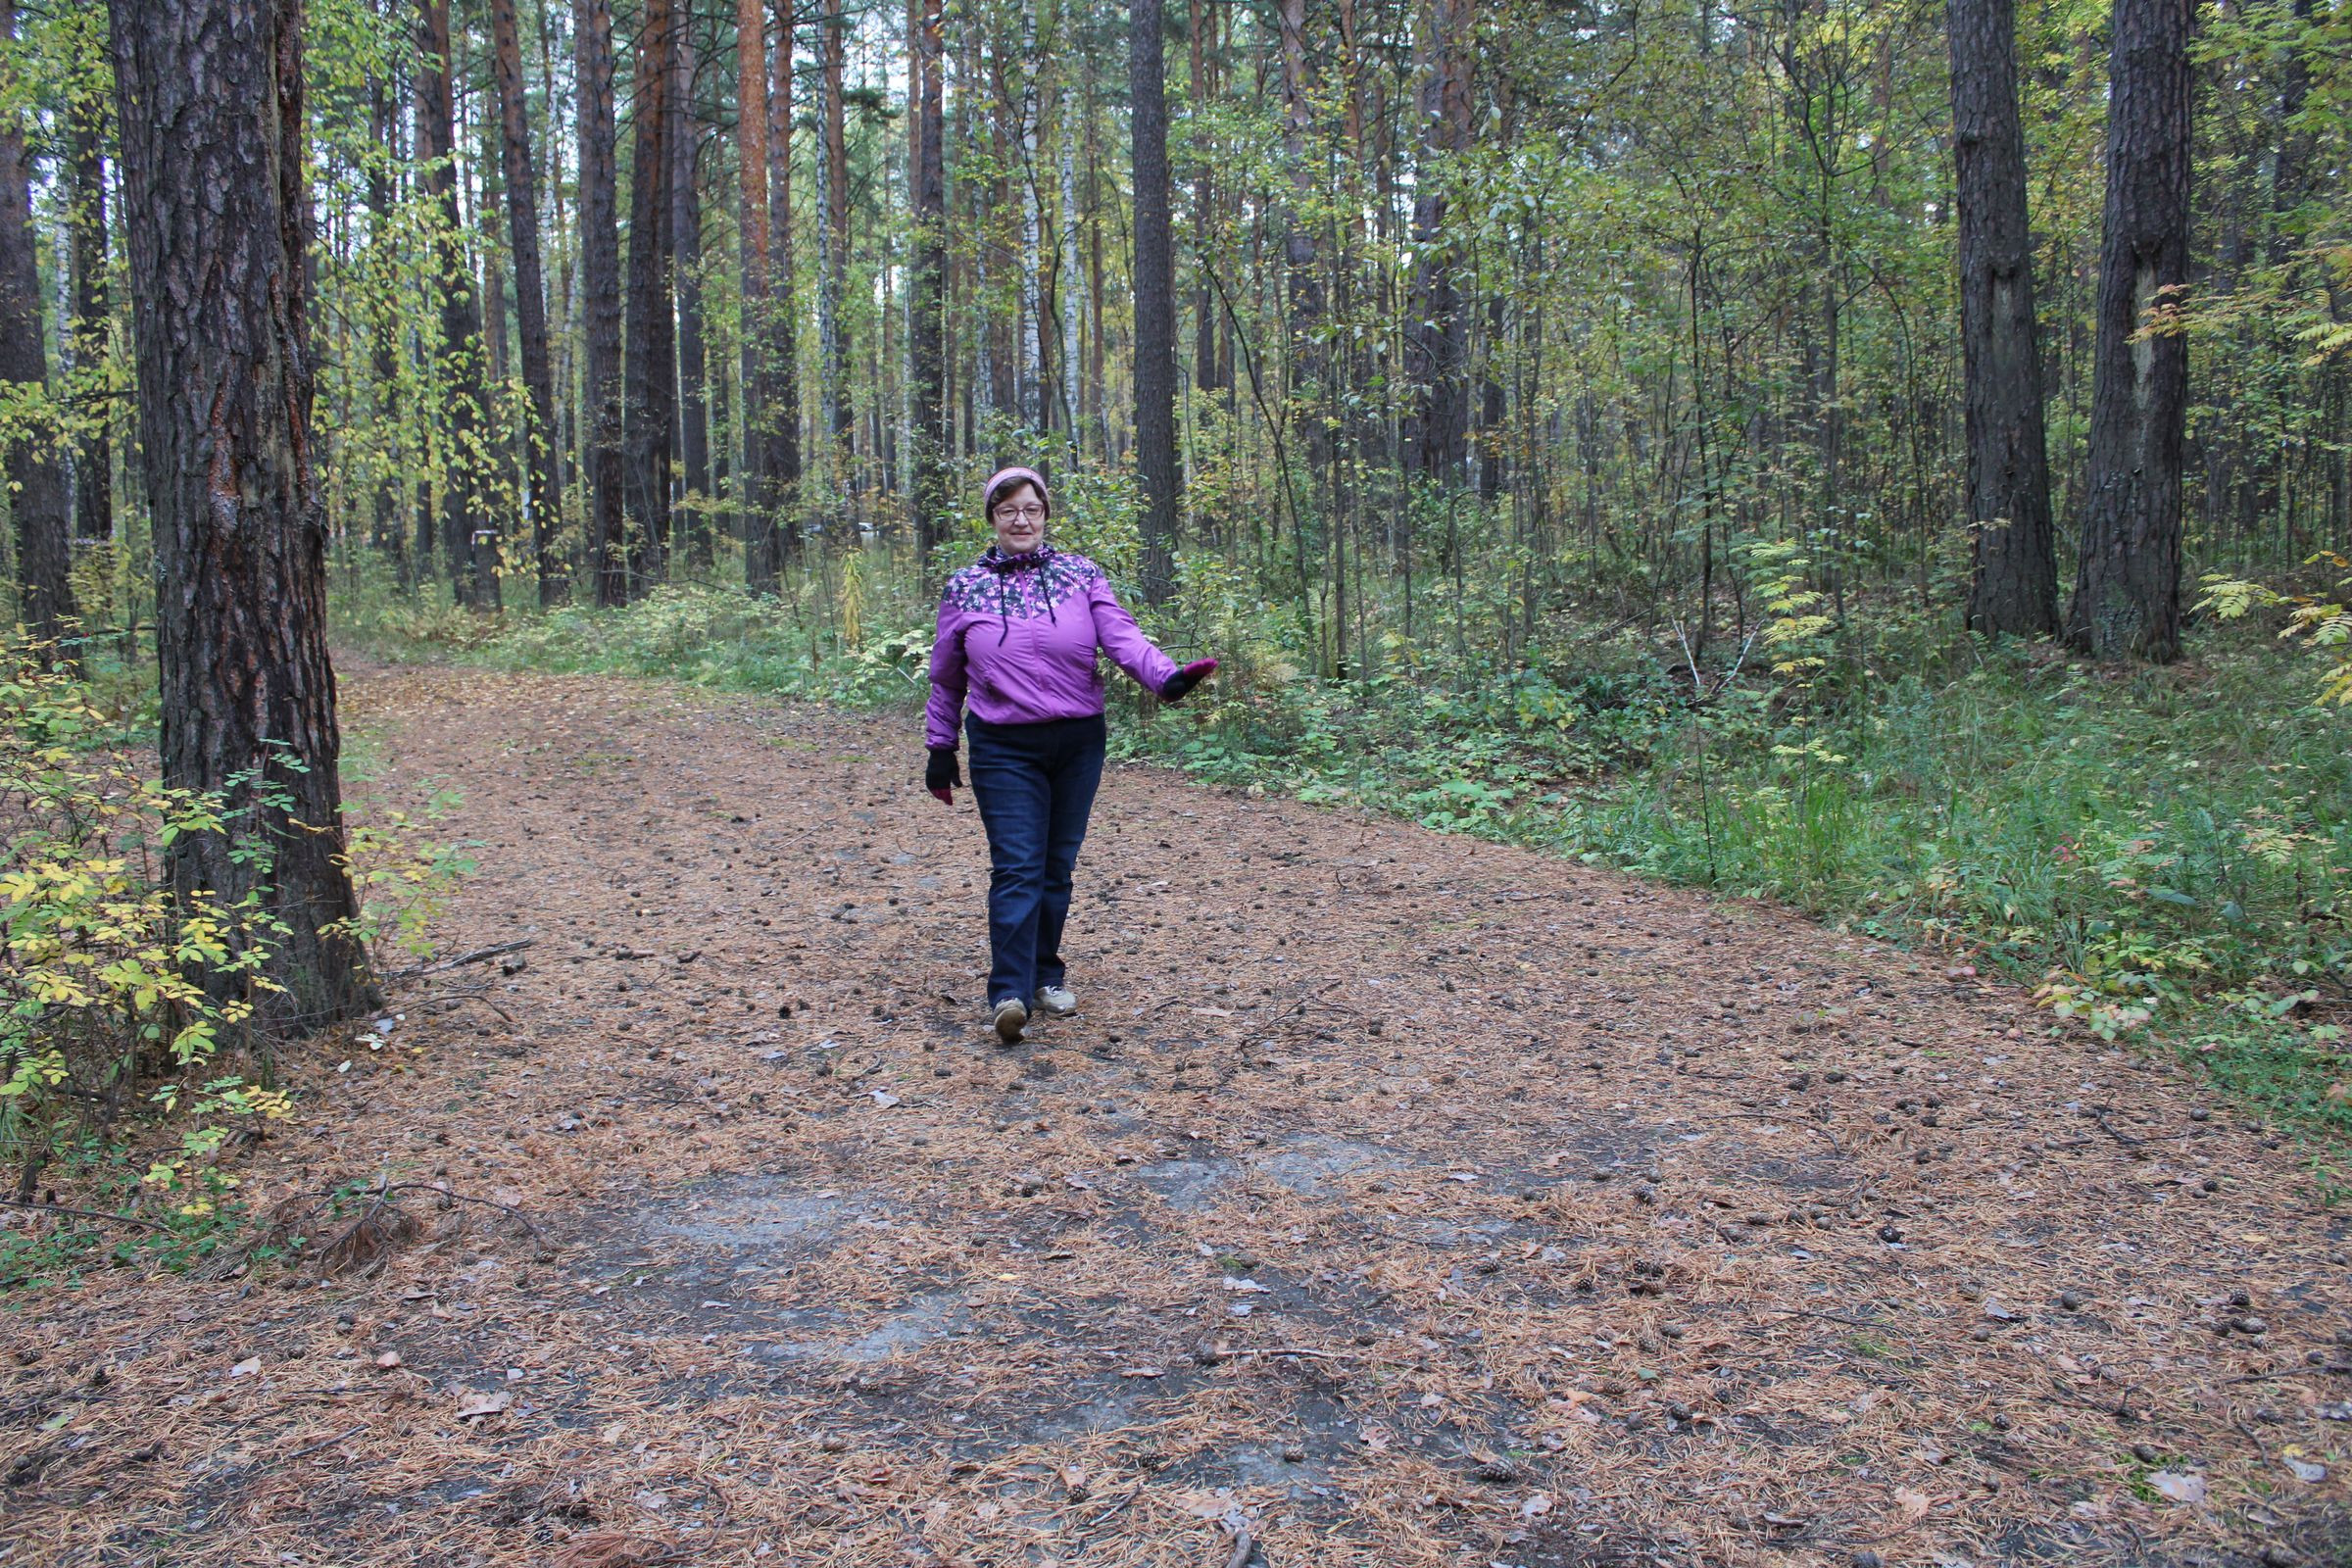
x,y
1066,288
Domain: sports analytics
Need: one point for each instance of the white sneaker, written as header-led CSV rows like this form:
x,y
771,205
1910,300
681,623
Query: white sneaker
x,y
1009,1016
1057,1001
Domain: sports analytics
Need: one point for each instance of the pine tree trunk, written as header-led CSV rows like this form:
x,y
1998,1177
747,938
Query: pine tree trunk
x,y
600,299
2013,585
1155,302
928,499
36,480
686,230
465,520
93,455
1436,424
2128,584
210,99
650,372
530,297
1204,207
783,418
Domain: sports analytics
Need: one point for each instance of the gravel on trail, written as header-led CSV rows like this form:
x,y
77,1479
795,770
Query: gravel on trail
x,y
1392,1200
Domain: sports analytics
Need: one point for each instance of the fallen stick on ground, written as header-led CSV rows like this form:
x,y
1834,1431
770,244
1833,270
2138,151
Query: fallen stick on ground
x,y
464,958
84,1213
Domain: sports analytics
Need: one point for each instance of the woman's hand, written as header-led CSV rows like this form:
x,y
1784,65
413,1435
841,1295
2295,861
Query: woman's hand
x,y
1185,679
941,777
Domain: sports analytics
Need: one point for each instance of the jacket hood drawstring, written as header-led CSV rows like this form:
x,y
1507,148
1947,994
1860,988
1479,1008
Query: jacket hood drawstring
x,y
1004,565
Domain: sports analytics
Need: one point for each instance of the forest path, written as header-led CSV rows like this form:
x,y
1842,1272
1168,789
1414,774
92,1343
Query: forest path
x,y
1397,1199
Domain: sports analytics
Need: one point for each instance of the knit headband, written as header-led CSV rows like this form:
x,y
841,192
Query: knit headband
x,y
1005,478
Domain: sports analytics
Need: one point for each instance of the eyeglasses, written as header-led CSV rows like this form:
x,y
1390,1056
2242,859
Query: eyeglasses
x,y
1020,514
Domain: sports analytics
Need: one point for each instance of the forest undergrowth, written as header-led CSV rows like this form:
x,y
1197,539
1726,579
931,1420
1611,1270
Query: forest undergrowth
x,y
2163,853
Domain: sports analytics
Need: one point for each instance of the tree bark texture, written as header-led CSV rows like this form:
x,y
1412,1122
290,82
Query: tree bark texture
x,y
2014,572
1154,301
38,502
530,298
468,540
650,387
2013,583
600,303
210,99
2126,600
1435,364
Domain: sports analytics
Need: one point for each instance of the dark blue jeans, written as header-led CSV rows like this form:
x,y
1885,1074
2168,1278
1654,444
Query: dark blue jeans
x,y
1035,786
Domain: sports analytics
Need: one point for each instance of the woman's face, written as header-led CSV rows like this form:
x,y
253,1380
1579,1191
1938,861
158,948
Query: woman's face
x,y
1019,516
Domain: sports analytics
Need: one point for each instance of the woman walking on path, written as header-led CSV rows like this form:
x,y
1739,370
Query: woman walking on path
x,y
1018,630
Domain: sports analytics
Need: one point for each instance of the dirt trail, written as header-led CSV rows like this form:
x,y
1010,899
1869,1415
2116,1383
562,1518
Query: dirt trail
x,y
1395,1199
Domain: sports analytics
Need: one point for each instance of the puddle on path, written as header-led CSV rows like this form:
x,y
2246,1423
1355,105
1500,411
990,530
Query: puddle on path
x,y
1313,1166
754,1213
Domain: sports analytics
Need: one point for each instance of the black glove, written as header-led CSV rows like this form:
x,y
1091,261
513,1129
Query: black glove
x,y
1172,689
942,774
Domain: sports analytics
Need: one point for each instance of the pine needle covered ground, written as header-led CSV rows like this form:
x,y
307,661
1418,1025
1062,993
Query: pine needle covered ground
x,y
1395,1199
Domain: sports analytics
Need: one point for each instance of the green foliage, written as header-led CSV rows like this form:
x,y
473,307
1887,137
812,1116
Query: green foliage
x,y
108,979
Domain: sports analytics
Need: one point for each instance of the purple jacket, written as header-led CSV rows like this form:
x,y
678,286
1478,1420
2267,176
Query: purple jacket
x,y
1018,634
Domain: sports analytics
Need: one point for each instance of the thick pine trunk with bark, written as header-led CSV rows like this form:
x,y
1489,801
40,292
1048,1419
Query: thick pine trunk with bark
x,y
600,301
530,297
466,524
928,499
1154,301
650,367
211,104
2128,584
2013,584
36,480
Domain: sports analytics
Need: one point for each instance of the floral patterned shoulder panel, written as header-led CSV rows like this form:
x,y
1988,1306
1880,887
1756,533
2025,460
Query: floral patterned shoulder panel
x,y
1020,586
